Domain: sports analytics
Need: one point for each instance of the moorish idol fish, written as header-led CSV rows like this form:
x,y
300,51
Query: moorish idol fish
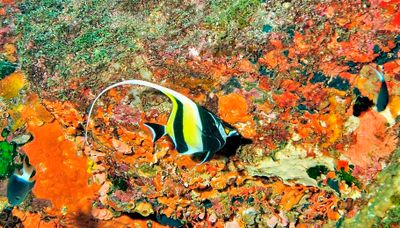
x,y
192,128
20,184
383,95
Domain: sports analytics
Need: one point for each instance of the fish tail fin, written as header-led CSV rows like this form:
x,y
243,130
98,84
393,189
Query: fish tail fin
x,y
157,130
28,171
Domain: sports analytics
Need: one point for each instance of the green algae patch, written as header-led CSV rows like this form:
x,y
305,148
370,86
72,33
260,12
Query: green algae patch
x,y
119,183
77,37
7,154
99,39
146,170
383,208
348,178
317,171
225,13
6,68
8,151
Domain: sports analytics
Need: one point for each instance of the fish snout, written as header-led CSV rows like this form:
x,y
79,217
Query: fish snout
x,y
233,133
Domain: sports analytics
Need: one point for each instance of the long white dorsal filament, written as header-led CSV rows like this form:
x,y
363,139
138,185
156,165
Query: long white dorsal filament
x,y
163,89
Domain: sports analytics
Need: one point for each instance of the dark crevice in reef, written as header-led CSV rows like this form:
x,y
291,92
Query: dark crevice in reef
x,y
159,218
8,220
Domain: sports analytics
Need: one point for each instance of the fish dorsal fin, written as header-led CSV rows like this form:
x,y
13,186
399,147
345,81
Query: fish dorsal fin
x,y
169,92
379,74
157,130
28,171
18,172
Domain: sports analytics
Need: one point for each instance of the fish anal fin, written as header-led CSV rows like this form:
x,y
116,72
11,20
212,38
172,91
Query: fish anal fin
x,y
157,130
207,157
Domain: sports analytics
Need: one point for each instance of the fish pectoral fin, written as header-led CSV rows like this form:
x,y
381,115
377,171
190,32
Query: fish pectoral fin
x,y
157,130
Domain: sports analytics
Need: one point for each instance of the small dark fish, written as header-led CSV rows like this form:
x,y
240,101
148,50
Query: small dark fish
x,y
361,105
192,128
383,95
20,184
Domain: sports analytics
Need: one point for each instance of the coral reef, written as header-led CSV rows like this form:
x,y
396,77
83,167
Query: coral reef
x,y
295,78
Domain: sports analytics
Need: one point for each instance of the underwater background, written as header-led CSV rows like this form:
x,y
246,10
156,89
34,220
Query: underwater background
x,y
312,88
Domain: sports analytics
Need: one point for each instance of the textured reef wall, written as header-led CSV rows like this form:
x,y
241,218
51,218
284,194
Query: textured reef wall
x,y
299,80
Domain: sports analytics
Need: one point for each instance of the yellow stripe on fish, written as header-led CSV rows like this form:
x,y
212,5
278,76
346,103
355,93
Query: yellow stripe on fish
x,y
191,129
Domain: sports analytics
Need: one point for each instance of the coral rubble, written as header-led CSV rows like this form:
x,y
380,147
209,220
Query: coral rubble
x,y
295,78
